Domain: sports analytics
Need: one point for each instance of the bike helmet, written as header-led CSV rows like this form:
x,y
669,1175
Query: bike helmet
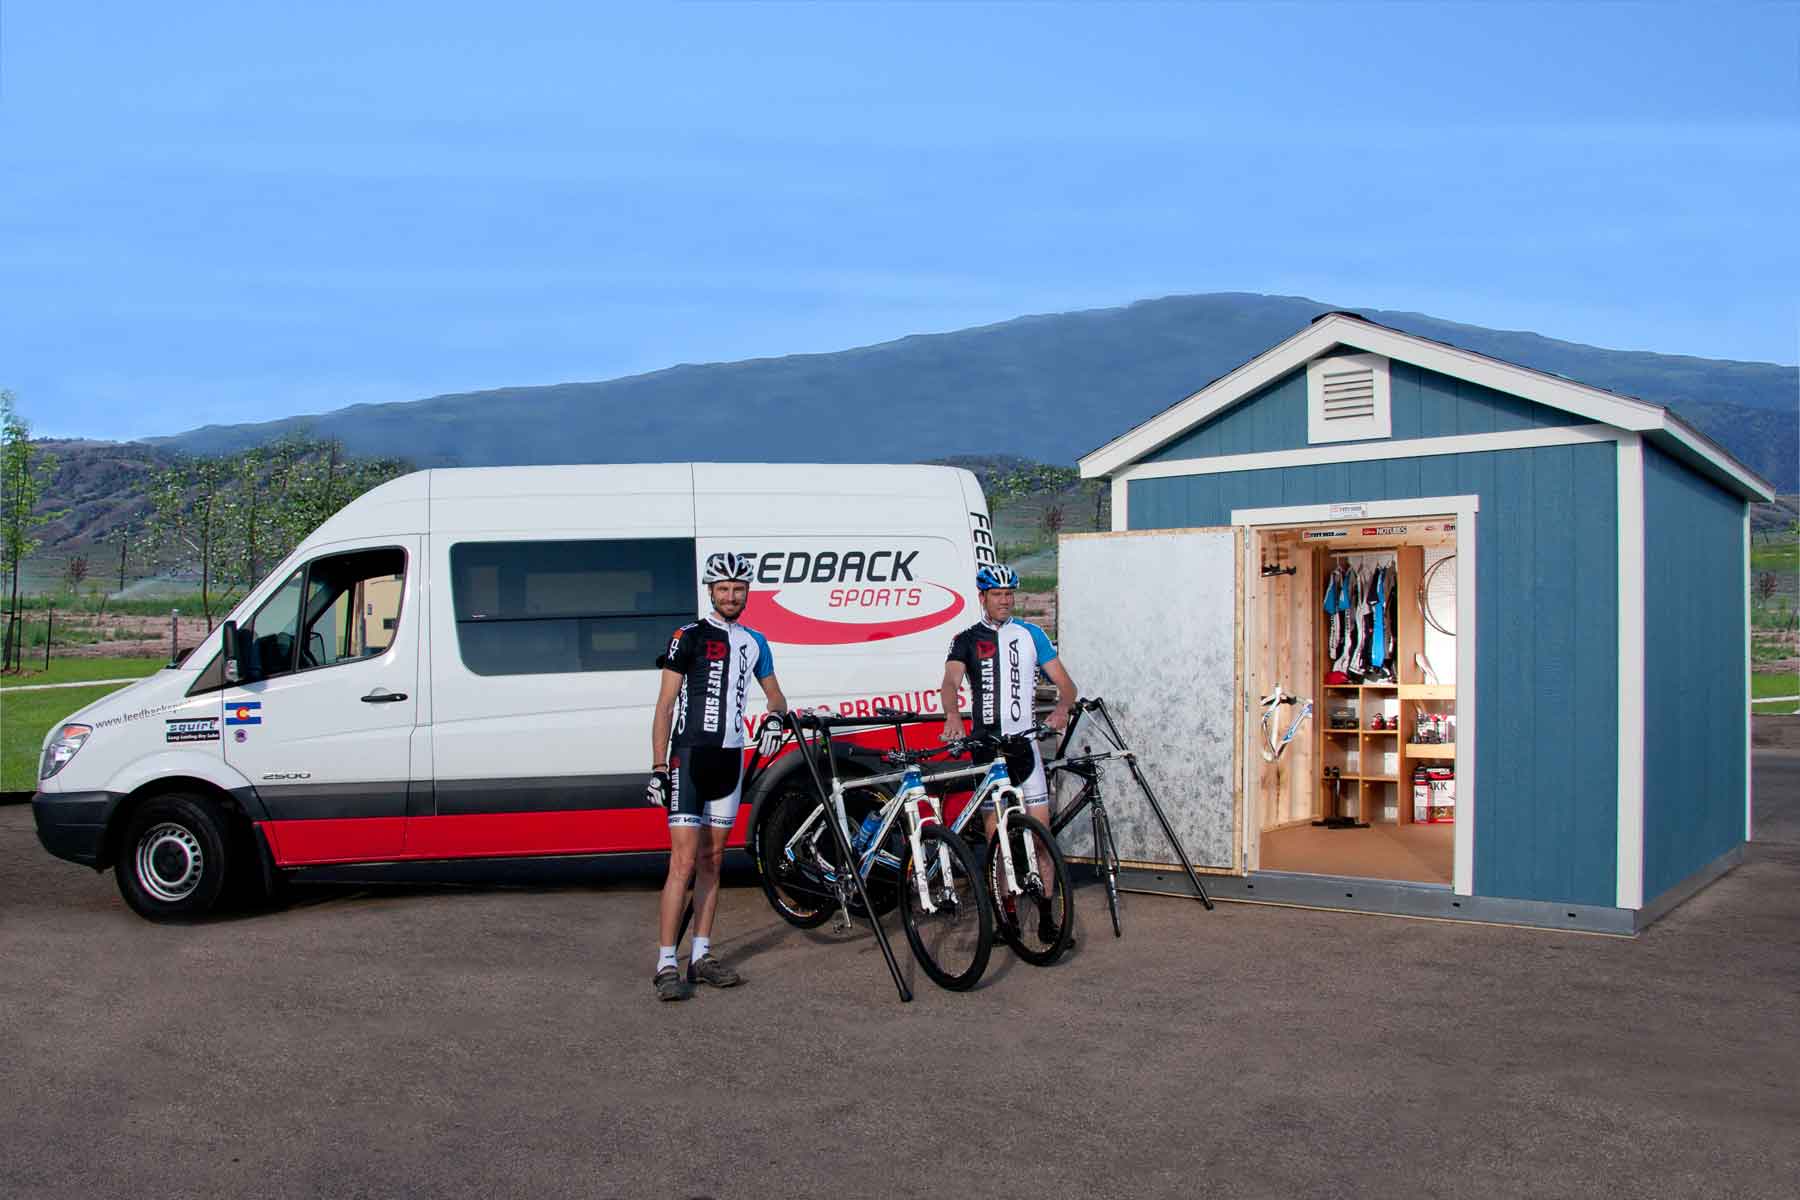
x,y
727,568
996,575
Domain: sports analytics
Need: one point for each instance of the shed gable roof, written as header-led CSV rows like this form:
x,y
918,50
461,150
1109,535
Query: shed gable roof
x,y
1343,330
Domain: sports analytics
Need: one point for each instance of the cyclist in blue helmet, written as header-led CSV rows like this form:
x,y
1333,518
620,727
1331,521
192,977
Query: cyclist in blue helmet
x,y
1001,658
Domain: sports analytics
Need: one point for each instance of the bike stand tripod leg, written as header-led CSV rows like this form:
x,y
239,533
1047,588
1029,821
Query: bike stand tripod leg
x,y
1169,832
1150,795
887,951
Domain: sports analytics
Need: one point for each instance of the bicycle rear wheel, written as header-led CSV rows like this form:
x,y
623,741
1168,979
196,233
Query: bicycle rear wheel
x,y
1037,922
796,891
1106,856
953,942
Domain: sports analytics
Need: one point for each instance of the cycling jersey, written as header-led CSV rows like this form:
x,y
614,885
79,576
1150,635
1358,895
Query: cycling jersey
x,y
716,661
1002,662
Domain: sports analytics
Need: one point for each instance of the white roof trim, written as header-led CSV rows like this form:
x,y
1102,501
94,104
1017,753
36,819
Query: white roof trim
x,y
1331,453
1339,329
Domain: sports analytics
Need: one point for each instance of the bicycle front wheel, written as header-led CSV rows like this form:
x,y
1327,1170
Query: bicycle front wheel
x,y
1034,912
953,937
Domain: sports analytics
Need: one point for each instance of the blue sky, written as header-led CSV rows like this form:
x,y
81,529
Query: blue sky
x,y
236,212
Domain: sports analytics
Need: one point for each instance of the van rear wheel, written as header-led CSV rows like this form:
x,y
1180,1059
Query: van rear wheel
x,y
173,858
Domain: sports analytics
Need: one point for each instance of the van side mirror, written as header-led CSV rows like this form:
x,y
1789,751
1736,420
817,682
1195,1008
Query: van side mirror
x,y
229,632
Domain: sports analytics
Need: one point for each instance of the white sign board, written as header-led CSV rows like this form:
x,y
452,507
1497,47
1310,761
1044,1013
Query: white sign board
x,y
1147,621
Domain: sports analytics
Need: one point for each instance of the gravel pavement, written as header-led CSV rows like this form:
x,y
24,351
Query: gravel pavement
x,y
503,1041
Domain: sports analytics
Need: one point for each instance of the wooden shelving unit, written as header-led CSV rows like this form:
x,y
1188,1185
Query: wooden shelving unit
x,y
1376,761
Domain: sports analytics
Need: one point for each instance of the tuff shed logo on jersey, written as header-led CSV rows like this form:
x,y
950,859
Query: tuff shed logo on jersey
x,y
990,672
715,688
849,595
716,650
985,649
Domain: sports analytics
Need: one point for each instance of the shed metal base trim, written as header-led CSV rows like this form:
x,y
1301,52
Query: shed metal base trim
x,y
1387,897
1659,907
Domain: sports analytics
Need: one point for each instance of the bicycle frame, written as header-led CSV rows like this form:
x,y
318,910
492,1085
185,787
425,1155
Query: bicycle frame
x,y
1086,764
904,802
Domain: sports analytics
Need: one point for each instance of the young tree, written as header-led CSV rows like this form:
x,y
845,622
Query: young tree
x,y
1766,586
1052,520
24,470
232,519
75,573
190,514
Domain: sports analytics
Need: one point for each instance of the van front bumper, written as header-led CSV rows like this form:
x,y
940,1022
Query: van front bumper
x,y
72,825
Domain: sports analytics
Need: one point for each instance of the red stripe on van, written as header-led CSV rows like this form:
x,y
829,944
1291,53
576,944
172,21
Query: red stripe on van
x,y
359,839
582,831
482,835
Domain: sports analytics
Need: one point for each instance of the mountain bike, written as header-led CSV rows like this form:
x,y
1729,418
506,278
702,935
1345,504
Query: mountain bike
x,y
1027,876
899,854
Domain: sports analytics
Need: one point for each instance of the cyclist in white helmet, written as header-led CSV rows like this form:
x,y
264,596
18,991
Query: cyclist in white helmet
x,y
1001,658
697,774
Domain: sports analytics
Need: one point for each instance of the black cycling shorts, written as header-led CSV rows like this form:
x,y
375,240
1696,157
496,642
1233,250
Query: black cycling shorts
x,y
1024,767
705,785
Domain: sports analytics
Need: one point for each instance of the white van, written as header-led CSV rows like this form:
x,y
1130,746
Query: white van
x,y
461,664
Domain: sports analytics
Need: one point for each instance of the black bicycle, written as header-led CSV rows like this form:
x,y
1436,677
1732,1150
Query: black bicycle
x,y
1088,765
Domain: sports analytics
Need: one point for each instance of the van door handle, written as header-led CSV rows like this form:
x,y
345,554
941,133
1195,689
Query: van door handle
x,y
383,696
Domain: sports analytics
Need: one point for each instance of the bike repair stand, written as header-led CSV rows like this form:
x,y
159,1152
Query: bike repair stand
x,y
1112,734
1338,819
795,725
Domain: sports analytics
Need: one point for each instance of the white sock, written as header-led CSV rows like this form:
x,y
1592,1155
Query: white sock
x,y
665,957
701,946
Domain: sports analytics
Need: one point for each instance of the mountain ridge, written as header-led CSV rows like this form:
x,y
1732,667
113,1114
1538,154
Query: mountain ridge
x,y
1046,386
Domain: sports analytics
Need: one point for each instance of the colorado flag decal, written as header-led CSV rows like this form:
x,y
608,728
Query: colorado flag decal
x,y
245,712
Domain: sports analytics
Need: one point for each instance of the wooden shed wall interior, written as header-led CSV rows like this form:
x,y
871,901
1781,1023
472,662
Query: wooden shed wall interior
x,y
1546,805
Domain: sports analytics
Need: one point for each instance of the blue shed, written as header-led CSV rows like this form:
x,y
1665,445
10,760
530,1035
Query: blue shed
x,y
1552,725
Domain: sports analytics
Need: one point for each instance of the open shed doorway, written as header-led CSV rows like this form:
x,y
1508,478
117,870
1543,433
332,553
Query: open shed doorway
x,y
1359,616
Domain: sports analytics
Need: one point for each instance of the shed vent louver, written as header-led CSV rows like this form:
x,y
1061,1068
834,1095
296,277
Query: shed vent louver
x,y
1349,394
1347,398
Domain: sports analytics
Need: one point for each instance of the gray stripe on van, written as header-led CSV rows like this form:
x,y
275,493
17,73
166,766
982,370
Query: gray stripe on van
x,y
553,793
333,801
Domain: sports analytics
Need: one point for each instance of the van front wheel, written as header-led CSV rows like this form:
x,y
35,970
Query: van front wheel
x,y
173,858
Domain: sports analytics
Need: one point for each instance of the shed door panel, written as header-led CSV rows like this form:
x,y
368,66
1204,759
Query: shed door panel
x,y
1148,621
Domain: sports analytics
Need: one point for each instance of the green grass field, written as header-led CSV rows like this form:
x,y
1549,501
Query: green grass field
x,y
26,716
1779,557
24,720
75,670
1780,683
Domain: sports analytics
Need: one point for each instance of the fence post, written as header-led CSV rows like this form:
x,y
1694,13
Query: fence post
x,y
174,633
49,634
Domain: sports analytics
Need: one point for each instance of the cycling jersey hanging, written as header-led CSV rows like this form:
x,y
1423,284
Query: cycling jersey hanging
x,y
1336,606
1359,600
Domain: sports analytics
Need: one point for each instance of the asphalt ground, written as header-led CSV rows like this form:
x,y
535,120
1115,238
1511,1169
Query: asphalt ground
x,y
503,1041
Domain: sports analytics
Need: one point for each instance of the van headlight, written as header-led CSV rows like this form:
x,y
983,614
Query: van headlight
x,y
62,748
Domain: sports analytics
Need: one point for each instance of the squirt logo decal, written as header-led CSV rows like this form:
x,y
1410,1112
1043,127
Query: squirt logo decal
x,y
846,597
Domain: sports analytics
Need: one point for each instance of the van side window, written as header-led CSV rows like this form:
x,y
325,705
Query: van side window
x,y
268,637
546,608
352,606
351,611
